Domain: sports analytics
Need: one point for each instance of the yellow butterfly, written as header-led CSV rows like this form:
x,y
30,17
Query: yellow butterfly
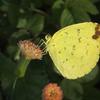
x,y
75,49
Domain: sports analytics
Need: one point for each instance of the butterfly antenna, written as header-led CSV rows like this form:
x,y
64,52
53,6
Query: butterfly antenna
x,y
41,43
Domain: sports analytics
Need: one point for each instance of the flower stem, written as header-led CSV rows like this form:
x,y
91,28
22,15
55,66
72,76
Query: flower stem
x,y
22,67
20,72
17,56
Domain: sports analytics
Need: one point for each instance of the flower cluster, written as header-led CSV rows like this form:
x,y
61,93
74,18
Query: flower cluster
x,y
52,92
30,50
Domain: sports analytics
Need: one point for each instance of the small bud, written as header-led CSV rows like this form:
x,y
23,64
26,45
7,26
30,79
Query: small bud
x,y
30,50
52,92
97,32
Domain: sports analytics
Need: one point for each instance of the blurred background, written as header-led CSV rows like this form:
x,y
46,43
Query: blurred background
x,y
33,19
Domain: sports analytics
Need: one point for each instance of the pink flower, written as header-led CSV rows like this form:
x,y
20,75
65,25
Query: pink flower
x,y
30,50
52,92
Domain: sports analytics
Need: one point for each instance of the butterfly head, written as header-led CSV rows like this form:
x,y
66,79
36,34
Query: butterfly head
x,y
48,38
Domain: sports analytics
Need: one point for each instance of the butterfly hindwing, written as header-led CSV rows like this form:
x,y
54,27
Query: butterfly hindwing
x,y
73,50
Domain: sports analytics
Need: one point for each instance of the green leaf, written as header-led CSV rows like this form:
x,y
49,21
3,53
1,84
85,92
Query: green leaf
x,y
72,89
52,74
37,3
11,50
89,77
55,17
31,85
80,9
79,14
68,3
36,23
17,36
13,14
88,6
66,18
22,23
57,4
25,3
94,1
91,93
4,7
7,68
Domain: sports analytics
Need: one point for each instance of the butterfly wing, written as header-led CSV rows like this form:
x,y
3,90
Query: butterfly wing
x,y
73,50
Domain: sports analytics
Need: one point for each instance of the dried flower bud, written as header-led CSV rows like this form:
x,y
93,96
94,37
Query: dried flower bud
x,y
52,92
97,32
30,50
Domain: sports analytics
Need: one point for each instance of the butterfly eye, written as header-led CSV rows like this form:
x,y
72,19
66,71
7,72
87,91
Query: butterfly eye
x,y
48,37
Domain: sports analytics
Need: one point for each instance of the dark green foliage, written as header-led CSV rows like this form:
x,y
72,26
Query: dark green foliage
x,y
91,94
33,82
33,19
7,67
72,89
